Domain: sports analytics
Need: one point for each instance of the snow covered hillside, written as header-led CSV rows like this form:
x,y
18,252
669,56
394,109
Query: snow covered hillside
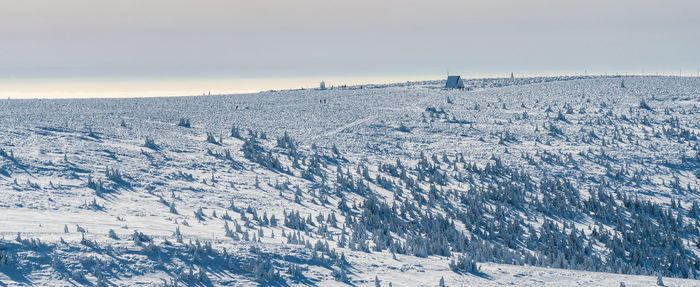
x,y
558,181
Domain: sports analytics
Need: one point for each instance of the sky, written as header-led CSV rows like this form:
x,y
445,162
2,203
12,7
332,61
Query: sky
x,y
251,45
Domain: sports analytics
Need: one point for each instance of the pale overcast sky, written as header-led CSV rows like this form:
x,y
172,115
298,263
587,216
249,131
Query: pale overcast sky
x,y
136,39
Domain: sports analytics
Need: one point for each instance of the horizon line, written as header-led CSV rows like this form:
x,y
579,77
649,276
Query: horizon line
x,y
143,88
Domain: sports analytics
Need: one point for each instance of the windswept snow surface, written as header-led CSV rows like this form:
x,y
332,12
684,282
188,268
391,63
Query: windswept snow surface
x,y
559,181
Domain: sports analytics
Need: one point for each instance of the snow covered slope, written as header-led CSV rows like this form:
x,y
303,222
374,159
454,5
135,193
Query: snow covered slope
x,y
406,183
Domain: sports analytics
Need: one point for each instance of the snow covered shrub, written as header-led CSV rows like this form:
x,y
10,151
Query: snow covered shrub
x,y
555,131
190,275
10,156
87,242
173,282
101,281
92,135
286,142
340,275
139,238
31,242
56,262
178,235
230,233
403,128
202,275
151,143
98,185
93,205
262,269
6,258
236,132
294,220
212,139
294,271
78,275
199,214
113,234
226,216
561,117
113,174
463,264
151,248
184,123
256,153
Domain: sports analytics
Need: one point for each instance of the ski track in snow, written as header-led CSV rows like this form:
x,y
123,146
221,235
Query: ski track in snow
x,y
345,127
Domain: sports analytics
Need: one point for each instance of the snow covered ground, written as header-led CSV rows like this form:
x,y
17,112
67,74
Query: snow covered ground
x,y
575,174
